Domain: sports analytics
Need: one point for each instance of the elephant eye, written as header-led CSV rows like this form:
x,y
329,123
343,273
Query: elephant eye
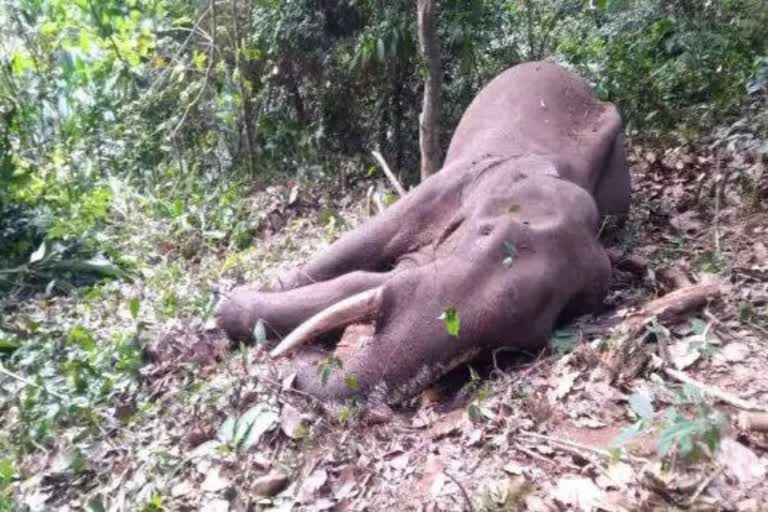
x,y
486,230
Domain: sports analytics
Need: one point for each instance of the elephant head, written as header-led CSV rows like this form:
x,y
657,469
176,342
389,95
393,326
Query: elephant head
x,y
504,238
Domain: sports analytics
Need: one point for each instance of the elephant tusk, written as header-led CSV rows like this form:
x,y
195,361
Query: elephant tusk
x,y
342,313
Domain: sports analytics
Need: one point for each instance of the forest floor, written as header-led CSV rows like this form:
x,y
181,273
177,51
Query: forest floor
x,y
206,427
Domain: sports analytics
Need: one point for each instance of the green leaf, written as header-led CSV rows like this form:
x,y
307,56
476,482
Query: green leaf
x,y
8,344
563,342
698,326
325,368
7,471
641,405
82,337
40,253
226,433
177,208
352,383
252,425
133,307
95,504
260,332
451,320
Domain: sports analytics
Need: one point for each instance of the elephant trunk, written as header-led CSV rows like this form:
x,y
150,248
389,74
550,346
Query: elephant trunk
x,y
347,311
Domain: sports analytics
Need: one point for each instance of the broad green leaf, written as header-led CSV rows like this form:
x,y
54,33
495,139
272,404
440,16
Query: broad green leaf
x,y
226,433
698,326
40,253
641,404
95,504
133,307
8,344
451,320
252,425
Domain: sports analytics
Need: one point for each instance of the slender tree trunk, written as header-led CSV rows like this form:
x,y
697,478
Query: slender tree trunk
x,y
245,92
429,120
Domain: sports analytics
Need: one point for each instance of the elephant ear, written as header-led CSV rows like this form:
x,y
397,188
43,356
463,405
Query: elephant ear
x,y
348,311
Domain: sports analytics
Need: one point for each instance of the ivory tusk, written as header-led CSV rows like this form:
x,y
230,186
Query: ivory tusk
x,y
344,312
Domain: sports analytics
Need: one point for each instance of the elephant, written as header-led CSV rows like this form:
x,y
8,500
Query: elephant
x,y
503,239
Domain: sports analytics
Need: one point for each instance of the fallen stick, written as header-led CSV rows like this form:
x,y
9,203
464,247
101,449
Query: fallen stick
x,y
628,357
672,306
571,445
753,422
714,392
467,499
392,178
704,484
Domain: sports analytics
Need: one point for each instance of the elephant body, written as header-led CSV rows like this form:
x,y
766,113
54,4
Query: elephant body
x,y
505,234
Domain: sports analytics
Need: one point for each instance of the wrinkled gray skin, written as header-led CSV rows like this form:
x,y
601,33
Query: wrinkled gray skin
x,y
534,164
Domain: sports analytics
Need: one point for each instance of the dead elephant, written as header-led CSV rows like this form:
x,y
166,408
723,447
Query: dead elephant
x,y
505,234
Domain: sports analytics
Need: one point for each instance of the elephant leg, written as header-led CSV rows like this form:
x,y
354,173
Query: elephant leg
x,y
612,193
281,312
376,245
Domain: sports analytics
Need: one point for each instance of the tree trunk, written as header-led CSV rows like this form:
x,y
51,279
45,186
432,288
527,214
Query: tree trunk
x,y
245,91
429,120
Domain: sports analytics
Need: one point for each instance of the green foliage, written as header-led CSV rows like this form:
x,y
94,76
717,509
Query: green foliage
x,y
75,372
673,63
687,425
7,474
683,432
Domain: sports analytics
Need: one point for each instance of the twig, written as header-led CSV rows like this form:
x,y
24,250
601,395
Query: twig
x,y
562,443
602,226
181,49
704,484
753,422
464,493
295,391
203,87
758,328
392,178
717,210
714,392
532,454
